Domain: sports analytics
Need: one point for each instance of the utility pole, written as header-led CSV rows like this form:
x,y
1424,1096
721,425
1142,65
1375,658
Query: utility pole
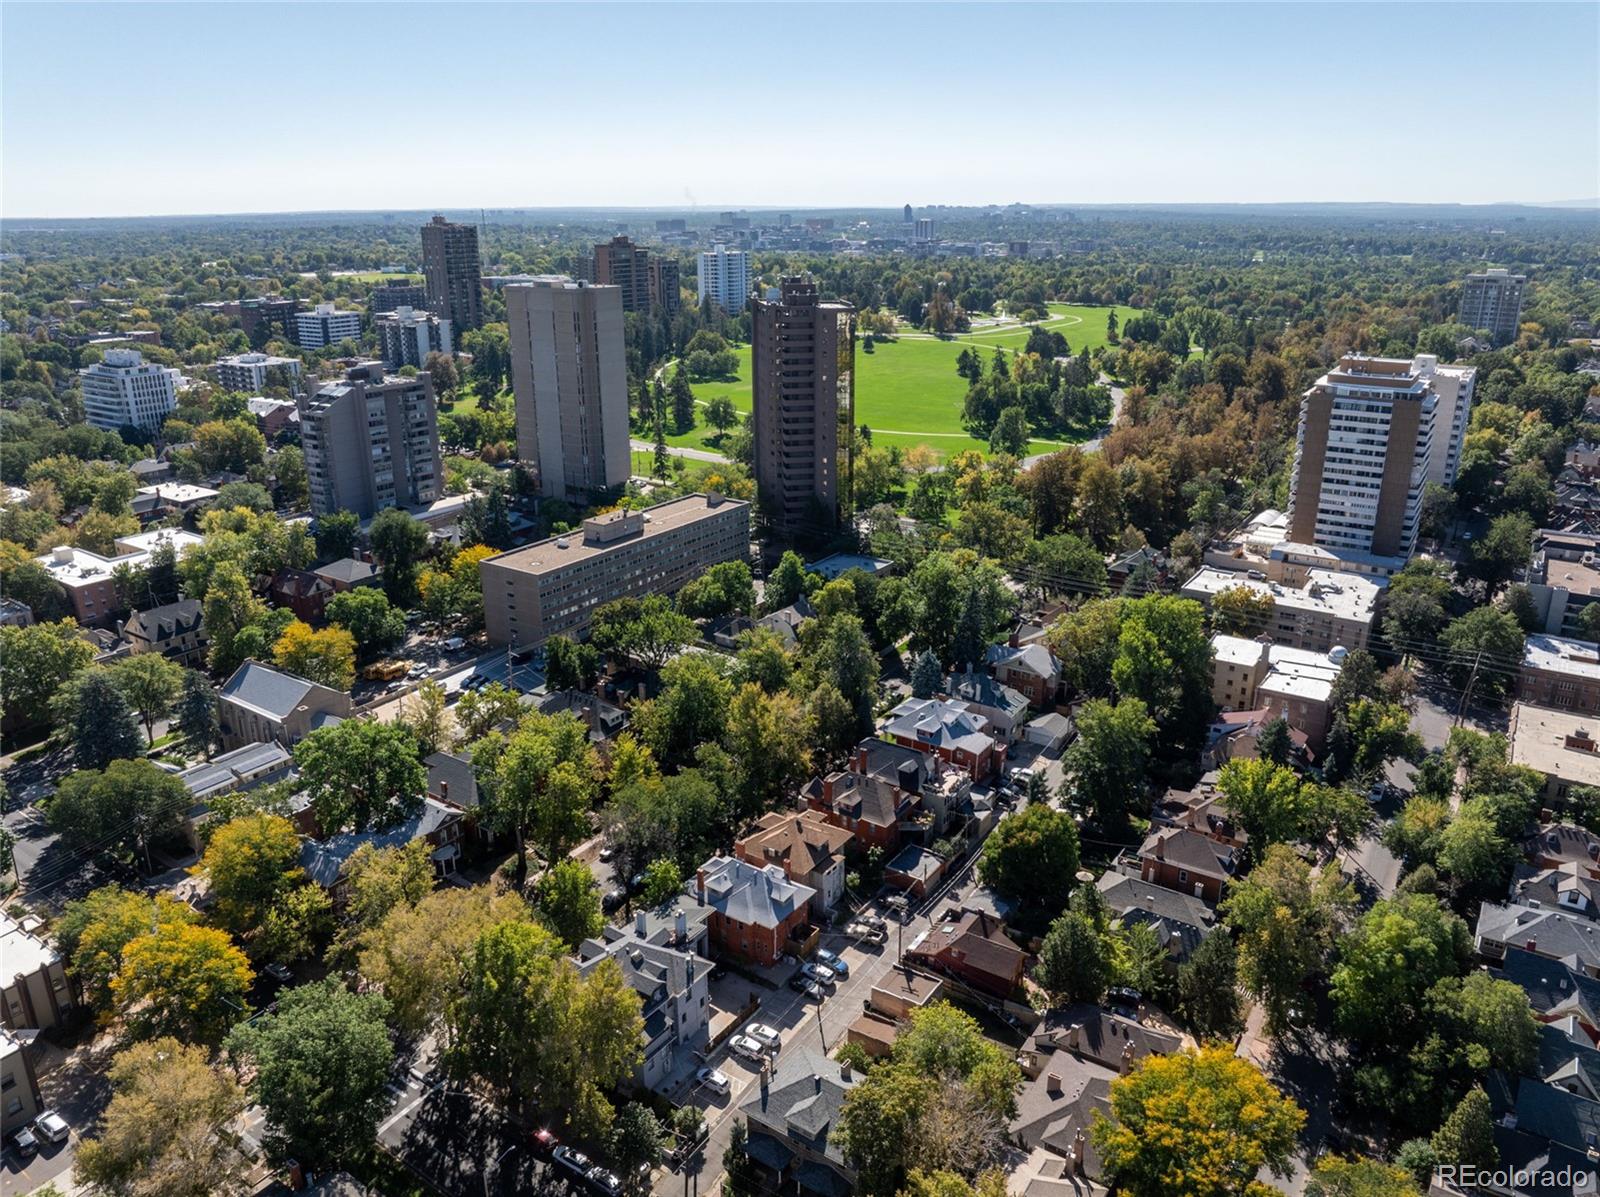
x,y
820,1034
1466,693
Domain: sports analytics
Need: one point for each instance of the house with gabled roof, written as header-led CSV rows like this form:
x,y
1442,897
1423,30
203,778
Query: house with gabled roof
x,y
1030,669
948,730
1570,939
175,630
793,1119
1180,921
806,846
439,825
972,948
1185,860
1005,709
756,912
260,703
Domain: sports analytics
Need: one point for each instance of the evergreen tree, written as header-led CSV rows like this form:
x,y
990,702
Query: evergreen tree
x,y
1467,1136
1208,988
926,675
682,401
1274,743
104,728
663,464
972,631
196,713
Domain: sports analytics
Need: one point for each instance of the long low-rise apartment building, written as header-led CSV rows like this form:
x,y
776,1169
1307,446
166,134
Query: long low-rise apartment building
x,y
1560,673
1327,611
553,586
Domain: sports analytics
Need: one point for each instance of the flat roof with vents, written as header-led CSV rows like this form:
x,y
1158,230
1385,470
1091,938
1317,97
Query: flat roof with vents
x,y
607,532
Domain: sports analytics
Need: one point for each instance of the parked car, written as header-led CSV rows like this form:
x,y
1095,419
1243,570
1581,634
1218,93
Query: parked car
x,y
613,899
766,1036
834,961
1124,996
822,975
747,1048
544,1142
801,983
451,643
573,1163
605,1181
51,1127
868,932
279,972
608,853
714,1079
25,1142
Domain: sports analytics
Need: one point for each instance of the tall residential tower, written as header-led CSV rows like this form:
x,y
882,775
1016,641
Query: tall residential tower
x,y
803,375
570,379
371,442
1493,300
453,273
1373,433
725,277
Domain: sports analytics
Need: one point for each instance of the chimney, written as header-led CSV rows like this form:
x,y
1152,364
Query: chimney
x,y
1052,1084
700,885
444,791
1075,1036
844,1070
1127,1056
680,925
1079,1146
640,922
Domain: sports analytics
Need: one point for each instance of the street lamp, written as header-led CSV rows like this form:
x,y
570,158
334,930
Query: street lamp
x,y
487,1172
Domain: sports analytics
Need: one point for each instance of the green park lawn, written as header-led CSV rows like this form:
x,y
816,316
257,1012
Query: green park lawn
x,y
907,390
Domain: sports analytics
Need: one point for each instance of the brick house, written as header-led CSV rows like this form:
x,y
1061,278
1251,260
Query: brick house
x,y
1185,860
303,592
1030,669
174,630
755,911
806,846
950,732
868,807
975,949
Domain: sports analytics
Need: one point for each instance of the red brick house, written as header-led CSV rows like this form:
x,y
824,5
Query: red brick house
x,y
975,949
868,807
756,912
806,846
303,592
947,730
1182,859
1030,669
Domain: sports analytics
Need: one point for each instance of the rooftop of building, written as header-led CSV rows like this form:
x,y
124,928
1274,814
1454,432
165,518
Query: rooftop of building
x,y
604,533
1556,743
1336,595
839,563
178,492
757,895
22,952
79,567
268,691
257,359
1559,654
324,860
940,722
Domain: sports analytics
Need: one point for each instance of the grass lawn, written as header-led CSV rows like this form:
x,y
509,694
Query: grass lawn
x,y
378,276
908,392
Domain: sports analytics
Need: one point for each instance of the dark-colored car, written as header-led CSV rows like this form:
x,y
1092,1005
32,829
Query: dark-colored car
x,y
544,1142
573,1164
801,983
613,899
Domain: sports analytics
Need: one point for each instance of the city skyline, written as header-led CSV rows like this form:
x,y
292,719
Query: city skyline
x,y
1113,115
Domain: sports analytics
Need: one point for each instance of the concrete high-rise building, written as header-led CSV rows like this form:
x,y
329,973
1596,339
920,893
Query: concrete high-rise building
x,y
371,441
325,325
1493,300
923,229
453,273
665,288
569,376
1373,433
910,214
407,336
553,586
391,297
251,373
621,264
725,277
122,388
803,375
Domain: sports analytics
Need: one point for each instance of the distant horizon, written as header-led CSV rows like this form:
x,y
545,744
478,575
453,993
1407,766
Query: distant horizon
x,y
122,111
708,209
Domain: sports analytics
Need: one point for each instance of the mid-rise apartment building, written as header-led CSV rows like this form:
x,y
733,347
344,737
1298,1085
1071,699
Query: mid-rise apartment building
x,y
1493,300
371,441
251,373
553,586
725,277
390,297
325,325
89,578
36,993
1560,673
406,336
453,273
1247,675
122,388
569,377
1327,611
803,377
1373,433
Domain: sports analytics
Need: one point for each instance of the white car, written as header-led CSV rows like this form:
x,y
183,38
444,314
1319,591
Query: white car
x,y
452,643
748,1048
763,1034
714,1079
51,1127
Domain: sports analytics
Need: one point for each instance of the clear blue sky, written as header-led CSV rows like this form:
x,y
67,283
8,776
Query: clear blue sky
x,y
144,109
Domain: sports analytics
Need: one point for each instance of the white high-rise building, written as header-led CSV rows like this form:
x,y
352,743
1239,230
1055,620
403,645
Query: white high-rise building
x,y
249,373
324,326
1373,433
122,388
407,336
569,378
725,276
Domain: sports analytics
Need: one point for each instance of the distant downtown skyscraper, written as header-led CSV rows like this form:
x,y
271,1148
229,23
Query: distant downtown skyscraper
x,y
453,273
1493,300
569,377
1373,433
725,277
803,374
